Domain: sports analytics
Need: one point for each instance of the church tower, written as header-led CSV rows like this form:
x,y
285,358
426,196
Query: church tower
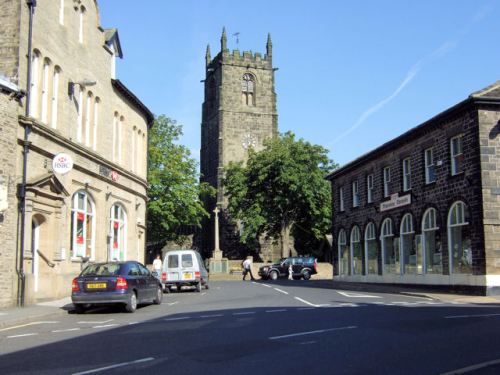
x,y
239,111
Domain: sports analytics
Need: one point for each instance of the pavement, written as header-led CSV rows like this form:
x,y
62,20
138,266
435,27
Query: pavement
x,y
17,316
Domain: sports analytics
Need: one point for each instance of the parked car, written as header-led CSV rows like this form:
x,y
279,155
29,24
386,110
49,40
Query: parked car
x,y
184,268
128,283
302,268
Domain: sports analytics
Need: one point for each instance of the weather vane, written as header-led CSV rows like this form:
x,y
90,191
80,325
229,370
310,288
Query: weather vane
x,y
237,37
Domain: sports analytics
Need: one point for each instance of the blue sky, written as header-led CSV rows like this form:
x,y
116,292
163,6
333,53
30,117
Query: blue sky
x,y
352,74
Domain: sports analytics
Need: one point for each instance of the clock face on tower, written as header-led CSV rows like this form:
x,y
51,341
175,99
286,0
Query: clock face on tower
x,y
248,140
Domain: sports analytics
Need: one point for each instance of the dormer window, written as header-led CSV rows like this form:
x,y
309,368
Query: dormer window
x,y
248,90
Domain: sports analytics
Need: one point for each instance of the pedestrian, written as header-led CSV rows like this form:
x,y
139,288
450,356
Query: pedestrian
x,y
157,265
290,272
247,268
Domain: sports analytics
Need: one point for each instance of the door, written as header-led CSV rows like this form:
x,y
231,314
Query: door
x,y
35,245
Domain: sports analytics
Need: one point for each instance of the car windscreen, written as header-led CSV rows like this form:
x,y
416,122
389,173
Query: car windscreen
x,y
106,269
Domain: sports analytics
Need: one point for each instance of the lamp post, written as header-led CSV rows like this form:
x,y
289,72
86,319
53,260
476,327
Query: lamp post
x,y
216,245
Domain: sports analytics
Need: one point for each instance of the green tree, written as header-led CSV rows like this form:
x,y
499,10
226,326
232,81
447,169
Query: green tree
x,y
174,195
281,191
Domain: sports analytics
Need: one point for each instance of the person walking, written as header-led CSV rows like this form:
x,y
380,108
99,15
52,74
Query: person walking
x,y
157,265
247,268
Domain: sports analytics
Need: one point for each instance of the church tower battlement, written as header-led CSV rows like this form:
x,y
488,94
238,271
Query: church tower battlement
x,y
238,112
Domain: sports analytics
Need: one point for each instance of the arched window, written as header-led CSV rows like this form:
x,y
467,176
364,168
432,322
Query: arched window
x,y
88,119
82,226
35,84
79,111
408,248
371,250
45,91
81,23
55,97
248,89
118,231
356,252
459,239
343,254
431,242
390,250
97,103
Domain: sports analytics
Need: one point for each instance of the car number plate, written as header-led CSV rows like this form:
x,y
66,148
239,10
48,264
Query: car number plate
x,y
188,275
96,286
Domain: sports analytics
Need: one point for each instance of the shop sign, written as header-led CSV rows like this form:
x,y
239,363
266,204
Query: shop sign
x,y
395,202
62,163
109,173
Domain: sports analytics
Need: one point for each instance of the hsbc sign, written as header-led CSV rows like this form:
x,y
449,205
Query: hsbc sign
x,y
62,163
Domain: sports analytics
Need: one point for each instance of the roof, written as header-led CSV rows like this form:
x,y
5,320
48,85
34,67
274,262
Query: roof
x,y
111,38
134,100
490,94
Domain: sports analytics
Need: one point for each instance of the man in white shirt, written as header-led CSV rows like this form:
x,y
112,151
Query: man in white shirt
x,y
247,268
157,265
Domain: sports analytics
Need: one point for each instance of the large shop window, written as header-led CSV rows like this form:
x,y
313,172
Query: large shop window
x,y
82,226
390,249
356,253
459,239
412,261
371,250
343,254
118,233
432,244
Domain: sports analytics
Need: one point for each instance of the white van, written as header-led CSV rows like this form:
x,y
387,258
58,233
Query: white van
x,y
183,268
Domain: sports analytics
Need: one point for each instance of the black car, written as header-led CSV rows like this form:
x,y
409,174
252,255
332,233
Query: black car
x,y
302,268
127,283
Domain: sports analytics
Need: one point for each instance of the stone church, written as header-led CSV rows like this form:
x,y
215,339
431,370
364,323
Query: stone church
x,y
239,112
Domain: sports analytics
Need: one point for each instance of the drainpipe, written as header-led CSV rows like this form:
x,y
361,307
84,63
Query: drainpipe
x,y
22,191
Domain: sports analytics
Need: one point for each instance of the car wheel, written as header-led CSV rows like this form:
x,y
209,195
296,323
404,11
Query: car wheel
x,y
306,275
79,308
159,296
273,275
166,289
131,305
198,287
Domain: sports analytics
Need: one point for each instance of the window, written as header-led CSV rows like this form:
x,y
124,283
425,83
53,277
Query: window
x,y
173,261
55,97
95,122
79,110
341,198
134,149
81,22
117,137
343,253
88,109
387,181
45,91
459,239
433,259
118,233
35,79
187,260
355,194
430,167
61,12
371,250
247,89
406,174
457,157
369,188
82,226
390,252
356,253
408,249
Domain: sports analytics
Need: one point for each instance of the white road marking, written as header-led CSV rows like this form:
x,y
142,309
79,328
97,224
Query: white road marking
x,y
66,330
244,313
212,316
467,369
311,332
304,301
26,334
131,323
180,318
97,322
28,324
203,293
114,366
277,310
470,316
106,325
281,291
355,295
267,286
173,303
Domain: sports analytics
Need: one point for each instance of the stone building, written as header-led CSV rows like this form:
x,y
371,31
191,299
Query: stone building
x,y
239,111
74,149
424,208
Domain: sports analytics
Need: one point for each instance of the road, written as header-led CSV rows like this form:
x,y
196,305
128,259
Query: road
x,y
284,327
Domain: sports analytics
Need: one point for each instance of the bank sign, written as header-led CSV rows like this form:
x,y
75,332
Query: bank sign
x,y
395,202
62,163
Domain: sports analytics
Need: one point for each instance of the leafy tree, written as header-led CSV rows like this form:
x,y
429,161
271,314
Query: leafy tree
x,y
174,192
281,191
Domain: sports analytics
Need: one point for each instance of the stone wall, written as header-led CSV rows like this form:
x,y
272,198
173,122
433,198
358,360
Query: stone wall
x,y
9,38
